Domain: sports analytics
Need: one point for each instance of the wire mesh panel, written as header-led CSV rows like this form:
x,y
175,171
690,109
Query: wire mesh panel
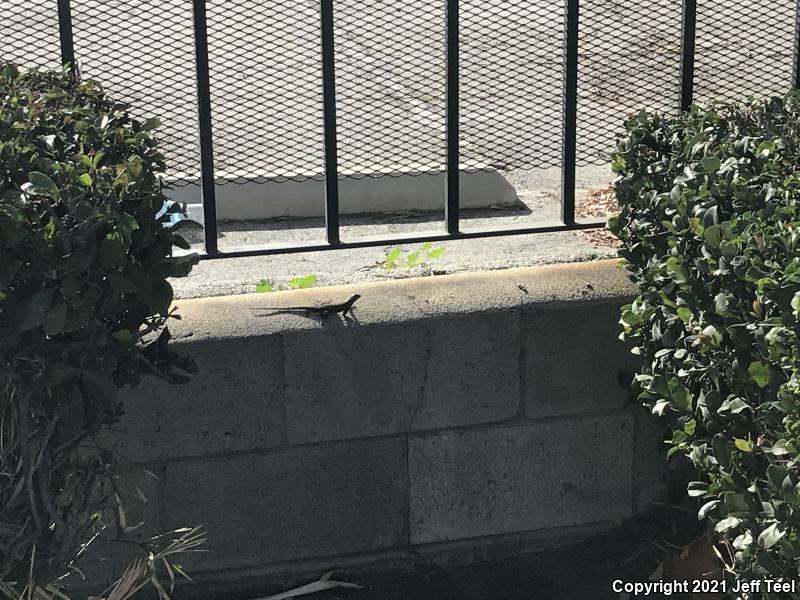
x,y
511,79
629,59
390,86
269,88
264,63
29,33
143,53
744,48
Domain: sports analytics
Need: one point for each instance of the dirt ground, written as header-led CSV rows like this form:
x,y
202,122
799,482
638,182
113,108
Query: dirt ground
x,y
581,571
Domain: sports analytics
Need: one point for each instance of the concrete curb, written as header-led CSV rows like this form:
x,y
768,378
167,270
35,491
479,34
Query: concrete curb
x,y
397,301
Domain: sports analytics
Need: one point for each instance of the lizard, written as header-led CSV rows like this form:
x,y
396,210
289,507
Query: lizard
x,y
323,310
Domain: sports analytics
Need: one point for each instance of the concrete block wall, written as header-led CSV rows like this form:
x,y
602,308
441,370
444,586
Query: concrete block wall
x,y
456,411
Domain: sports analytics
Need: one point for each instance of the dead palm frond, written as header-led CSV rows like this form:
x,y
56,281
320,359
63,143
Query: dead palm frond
x,y
157,569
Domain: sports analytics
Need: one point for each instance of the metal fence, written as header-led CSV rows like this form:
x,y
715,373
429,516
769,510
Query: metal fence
x,y
291,90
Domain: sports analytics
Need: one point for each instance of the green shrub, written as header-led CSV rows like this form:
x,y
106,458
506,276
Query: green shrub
x,y
711,235
86,247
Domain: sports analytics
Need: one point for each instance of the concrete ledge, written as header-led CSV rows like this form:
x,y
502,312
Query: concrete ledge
x,y
404,300
453,409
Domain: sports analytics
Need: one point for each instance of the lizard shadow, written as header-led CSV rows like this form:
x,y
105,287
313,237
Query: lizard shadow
x,y
329,320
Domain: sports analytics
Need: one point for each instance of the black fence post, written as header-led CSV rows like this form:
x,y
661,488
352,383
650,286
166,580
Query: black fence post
x,y
329,122
570,113
65,36
688,32
452,149
204,122
796,65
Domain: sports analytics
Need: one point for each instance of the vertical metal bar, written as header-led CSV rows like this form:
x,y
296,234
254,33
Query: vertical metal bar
x,y
570,113
65,35
208,190
329,123
796,65
452,152
688,31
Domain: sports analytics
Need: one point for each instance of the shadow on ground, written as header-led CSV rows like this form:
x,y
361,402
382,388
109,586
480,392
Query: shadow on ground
x,y
581,571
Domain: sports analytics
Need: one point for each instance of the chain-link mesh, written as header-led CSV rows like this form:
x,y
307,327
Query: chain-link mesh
x,y
29,33
511,77
390,86
266,94
265,72
628,60
143,53
744,48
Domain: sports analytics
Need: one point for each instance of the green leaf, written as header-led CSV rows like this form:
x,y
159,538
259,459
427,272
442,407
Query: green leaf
x,y
727,524
162,296
733,406
713,235
697,488
264,286
393,255
133,167
181,266
722,450
681,398
779,448
796,303
42,184
760,373
706,508
743,445
776,474
770,536
35,310
676,267
152,123
55,318
436,253
710,164
121,284
720,303
685,314
301,283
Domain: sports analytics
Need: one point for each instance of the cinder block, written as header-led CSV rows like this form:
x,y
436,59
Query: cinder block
x,y
572,359
316,501
467,484
354,382
650,473
473,371
232,403
393,378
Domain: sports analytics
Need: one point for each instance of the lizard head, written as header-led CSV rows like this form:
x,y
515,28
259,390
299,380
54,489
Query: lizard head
x,y
355,297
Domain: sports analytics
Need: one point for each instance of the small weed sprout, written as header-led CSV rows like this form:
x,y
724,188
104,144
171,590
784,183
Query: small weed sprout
x,y
396,258
297,283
